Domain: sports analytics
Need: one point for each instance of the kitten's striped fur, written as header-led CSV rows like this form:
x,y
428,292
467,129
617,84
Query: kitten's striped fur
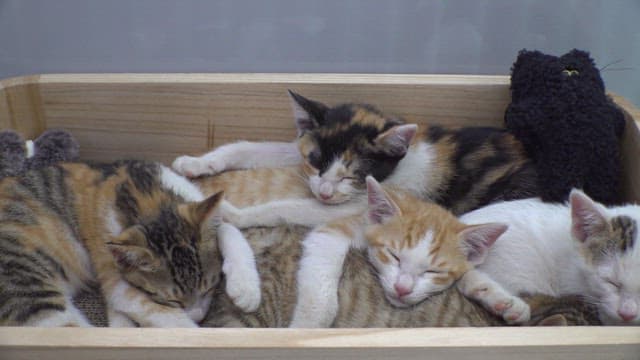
x,y
74,226
361,299
418,249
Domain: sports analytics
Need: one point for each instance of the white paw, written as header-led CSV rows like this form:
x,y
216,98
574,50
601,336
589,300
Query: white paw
x,y
196,166
239,268
511,308
243,287
118,320
171,319
234,216
517,313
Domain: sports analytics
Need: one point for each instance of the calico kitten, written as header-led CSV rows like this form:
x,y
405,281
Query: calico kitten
x,y
337,147
361,299
133,229
581,248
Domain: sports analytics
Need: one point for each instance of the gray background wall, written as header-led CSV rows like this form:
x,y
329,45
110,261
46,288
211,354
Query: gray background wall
x,y
411,36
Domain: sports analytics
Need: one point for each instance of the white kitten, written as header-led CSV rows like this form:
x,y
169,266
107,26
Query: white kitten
x,y
583,248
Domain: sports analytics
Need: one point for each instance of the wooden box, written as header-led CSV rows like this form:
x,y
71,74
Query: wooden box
x,y
161,116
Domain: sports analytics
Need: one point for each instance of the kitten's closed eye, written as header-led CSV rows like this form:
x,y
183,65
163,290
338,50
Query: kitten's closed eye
x,y
393,255
613,283
432,272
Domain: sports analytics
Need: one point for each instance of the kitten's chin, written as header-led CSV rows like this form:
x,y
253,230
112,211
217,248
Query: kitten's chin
x,y
334,200
395,301
614,320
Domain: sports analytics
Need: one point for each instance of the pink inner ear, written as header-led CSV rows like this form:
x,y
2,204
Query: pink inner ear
x,y
121,256
478,239
586,219
398,138
381,207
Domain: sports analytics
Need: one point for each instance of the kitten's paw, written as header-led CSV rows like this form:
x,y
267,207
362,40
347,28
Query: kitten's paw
x,y
511,308
235,216
245,290
174,319
118,319
239,268
196,166
518,312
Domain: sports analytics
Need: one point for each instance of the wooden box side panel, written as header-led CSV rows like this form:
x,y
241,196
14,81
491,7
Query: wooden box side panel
x,y
21,106
161,117
562,343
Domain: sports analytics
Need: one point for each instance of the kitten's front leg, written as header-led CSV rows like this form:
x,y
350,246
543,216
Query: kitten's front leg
x,y
240,155
239,267
118,319
131,302
318,279
306,212
480,287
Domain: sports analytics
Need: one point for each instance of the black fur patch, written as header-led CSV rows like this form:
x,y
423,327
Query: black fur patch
x,y
127,204
33,309
335,143
144,175
106,169
625,231
19,213
485,169
435,133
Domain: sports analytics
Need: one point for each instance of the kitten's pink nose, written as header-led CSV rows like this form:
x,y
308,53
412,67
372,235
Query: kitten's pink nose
x,y
401,290
627,316
326,191
628,309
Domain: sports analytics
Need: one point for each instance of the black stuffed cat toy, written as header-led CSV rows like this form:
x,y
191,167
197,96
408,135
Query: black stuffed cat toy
x,y
568,125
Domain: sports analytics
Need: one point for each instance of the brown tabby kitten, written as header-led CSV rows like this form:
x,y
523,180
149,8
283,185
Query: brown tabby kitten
x,y
126,228
362,302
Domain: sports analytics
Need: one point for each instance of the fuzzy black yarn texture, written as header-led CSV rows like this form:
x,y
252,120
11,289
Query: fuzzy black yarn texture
x,y
568,125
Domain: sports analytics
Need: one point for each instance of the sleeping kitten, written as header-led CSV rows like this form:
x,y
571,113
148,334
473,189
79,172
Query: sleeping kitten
x,y
583,248
418,249
459,168
133,228
361,299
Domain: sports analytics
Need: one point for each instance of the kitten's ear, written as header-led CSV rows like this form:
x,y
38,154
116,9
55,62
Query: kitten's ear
x,y
308,114
477,239
130,251
587,216
381,208
396,140
205,209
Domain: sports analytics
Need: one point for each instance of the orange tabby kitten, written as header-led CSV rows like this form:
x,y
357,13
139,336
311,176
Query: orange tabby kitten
x,y
418,249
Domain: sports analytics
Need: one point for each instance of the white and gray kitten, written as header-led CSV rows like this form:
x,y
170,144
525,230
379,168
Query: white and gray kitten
x,y
581,248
